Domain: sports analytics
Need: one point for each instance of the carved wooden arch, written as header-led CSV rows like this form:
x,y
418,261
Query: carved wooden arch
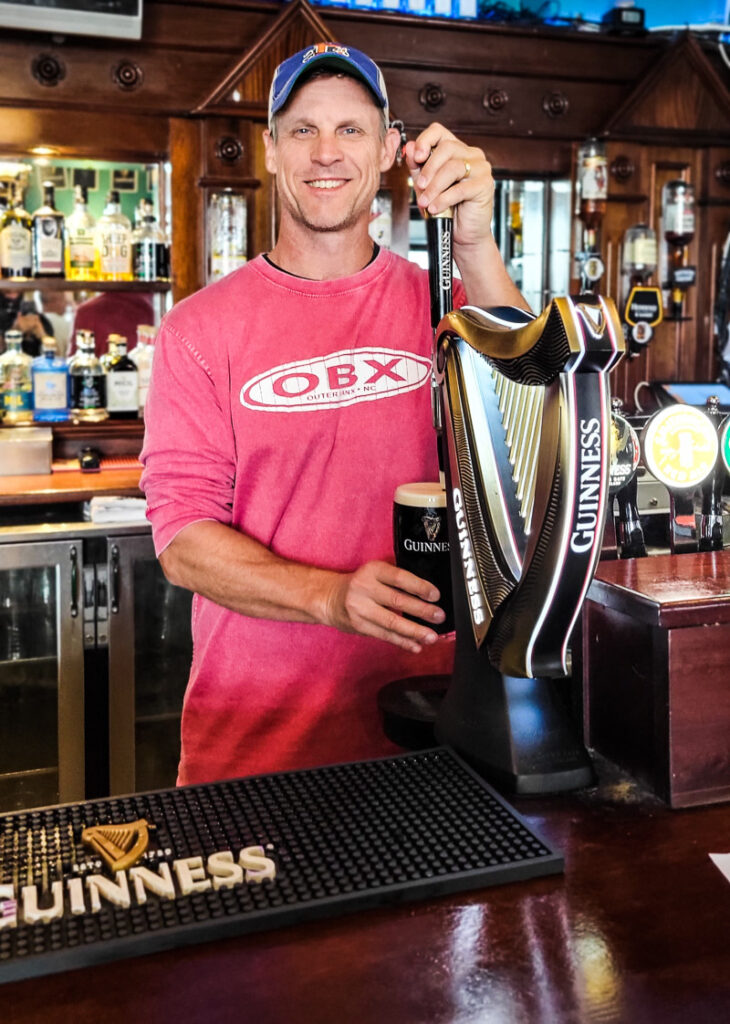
x,y
297,26
682,95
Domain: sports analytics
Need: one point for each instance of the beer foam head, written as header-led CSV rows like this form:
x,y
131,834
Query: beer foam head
x,y
421,495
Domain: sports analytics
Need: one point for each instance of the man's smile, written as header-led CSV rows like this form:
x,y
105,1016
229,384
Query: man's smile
x,y
326,182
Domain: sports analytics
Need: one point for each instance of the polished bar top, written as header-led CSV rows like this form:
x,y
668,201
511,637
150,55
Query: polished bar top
x,y
667,590
635,932
70,485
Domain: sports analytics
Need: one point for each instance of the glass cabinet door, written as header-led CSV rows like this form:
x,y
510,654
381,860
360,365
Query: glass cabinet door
x,y
150,650
41,675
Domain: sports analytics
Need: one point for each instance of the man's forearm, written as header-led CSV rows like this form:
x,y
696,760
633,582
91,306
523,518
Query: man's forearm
x,y
241,574
237,572
485,276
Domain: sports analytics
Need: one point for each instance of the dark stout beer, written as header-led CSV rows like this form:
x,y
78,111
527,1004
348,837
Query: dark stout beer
x,y
421,542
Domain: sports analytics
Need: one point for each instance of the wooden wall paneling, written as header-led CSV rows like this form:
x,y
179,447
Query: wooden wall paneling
x,y
188,207
124,136
628,204
715,217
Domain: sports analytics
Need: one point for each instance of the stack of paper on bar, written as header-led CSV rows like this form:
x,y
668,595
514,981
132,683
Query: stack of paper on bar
x,y
111,509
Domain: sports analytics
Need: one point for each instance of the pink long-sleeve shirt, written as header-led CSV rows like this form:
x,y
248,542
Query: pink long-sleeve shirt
x,y
290,410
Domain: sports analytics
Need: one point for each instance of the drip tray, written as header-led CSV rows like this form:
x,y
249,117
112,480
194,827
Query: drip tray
x,y
337,839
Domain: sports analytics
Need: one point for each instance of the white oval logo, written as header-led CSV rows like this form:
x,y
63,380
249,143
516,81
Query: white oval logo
x,y
341,378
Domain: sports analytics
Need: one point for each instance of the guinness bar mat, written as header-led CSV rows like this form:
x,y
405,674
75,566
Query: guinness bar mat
x,y
84,883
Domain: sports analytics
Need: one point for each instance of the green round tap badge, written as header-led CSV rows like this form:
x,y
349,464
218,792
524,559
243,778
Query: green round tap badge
x,y
680,446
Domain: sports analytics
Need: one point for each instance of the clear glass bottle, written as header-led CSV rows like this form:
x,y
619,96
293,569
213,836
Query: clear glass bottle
x,y
50,384
678,222
380,227
114,242
122,382
15,240
149,260
592,189
639,258
142,354
81,259
87,381
16,382
678,213
47,233
226,233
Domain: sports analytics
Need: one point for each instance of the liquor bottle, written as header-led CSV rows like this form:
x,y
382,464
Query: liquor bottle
x,y
639,254
81,263
122,382
50,384
15,240
47,236
16,382
111,350
87,381
678,217
142,355
226,233
380,227
150,260
592,189
114,242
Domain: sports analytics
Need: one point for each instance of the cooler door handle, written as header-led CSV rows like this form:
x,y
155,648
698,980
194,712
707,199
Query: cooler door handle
x,y
73,555
115,579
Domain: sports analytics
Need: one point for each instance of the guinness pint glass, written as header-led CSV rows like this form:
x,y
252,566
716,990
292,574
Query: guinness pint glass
x,y
421,542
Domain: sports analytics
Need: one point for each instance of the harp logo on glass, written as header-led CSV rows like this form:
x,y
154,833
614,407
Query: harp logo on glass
x,y
340,378
589,496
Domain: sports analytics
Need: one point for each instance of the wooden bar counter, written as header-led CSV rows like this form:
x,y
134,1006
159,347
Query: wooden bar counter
x,y
635,932
656,672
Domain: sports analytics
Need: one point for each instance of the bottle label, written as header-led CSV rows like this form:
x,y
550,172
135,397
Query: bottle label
x,y
17,393
593,178
122,391
644,252
679,219
81,252
88,391
15,248
115,254
50,389
145,260
49,246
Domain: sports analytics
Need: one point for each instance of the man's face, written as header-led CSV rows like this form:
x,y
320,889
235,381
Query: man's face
x,y
329,154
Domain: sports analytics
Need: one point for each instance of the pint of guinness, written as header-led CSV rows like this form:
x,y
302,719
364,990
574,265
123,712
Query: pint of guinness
x,y
421,541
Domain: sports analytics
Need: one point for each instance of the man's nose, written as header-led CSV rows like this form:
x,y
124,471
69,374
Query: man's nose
x,y
327,149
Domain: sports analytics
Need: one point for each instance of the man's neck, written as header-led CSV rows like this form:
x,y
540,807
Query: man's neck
x,y
322,256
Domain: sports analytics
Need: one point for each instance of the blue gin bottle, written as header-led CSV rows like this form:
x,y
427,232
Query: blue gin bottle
x,y
50,384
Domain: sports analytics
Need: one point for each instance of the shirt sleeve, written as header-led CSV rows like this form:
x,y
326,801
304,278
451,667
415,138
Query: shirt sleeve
x,y
188,453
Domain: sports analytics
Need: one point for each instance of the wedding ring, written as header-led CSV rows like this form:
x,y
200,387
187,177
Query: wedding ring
x,y
467,168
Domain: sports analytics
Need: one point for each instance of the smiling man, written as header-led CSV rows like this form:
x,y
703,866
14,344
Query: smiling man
x,y
288,401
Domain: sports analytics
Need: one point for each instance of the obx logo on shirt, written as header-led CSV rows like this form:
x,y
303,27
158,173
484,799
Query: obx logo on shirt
x,y
340,378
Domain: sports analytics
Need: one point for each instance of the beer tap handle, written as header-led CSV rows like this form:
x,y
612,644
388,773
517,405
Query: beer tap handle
x,y
440,265
630,532
711,523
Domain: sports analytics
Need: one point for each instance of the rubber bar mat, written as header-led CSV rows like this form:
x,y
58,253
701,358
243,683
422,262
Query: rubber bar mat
x,y
335,839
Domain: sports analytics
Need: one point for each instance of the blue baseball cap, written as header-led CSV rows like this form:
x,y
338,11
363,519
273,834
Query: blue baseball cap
x,y
334,55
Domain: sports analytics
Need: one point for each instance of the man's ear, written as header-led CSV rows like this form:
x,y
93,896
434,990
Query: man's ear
x,y
391,142
270,151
